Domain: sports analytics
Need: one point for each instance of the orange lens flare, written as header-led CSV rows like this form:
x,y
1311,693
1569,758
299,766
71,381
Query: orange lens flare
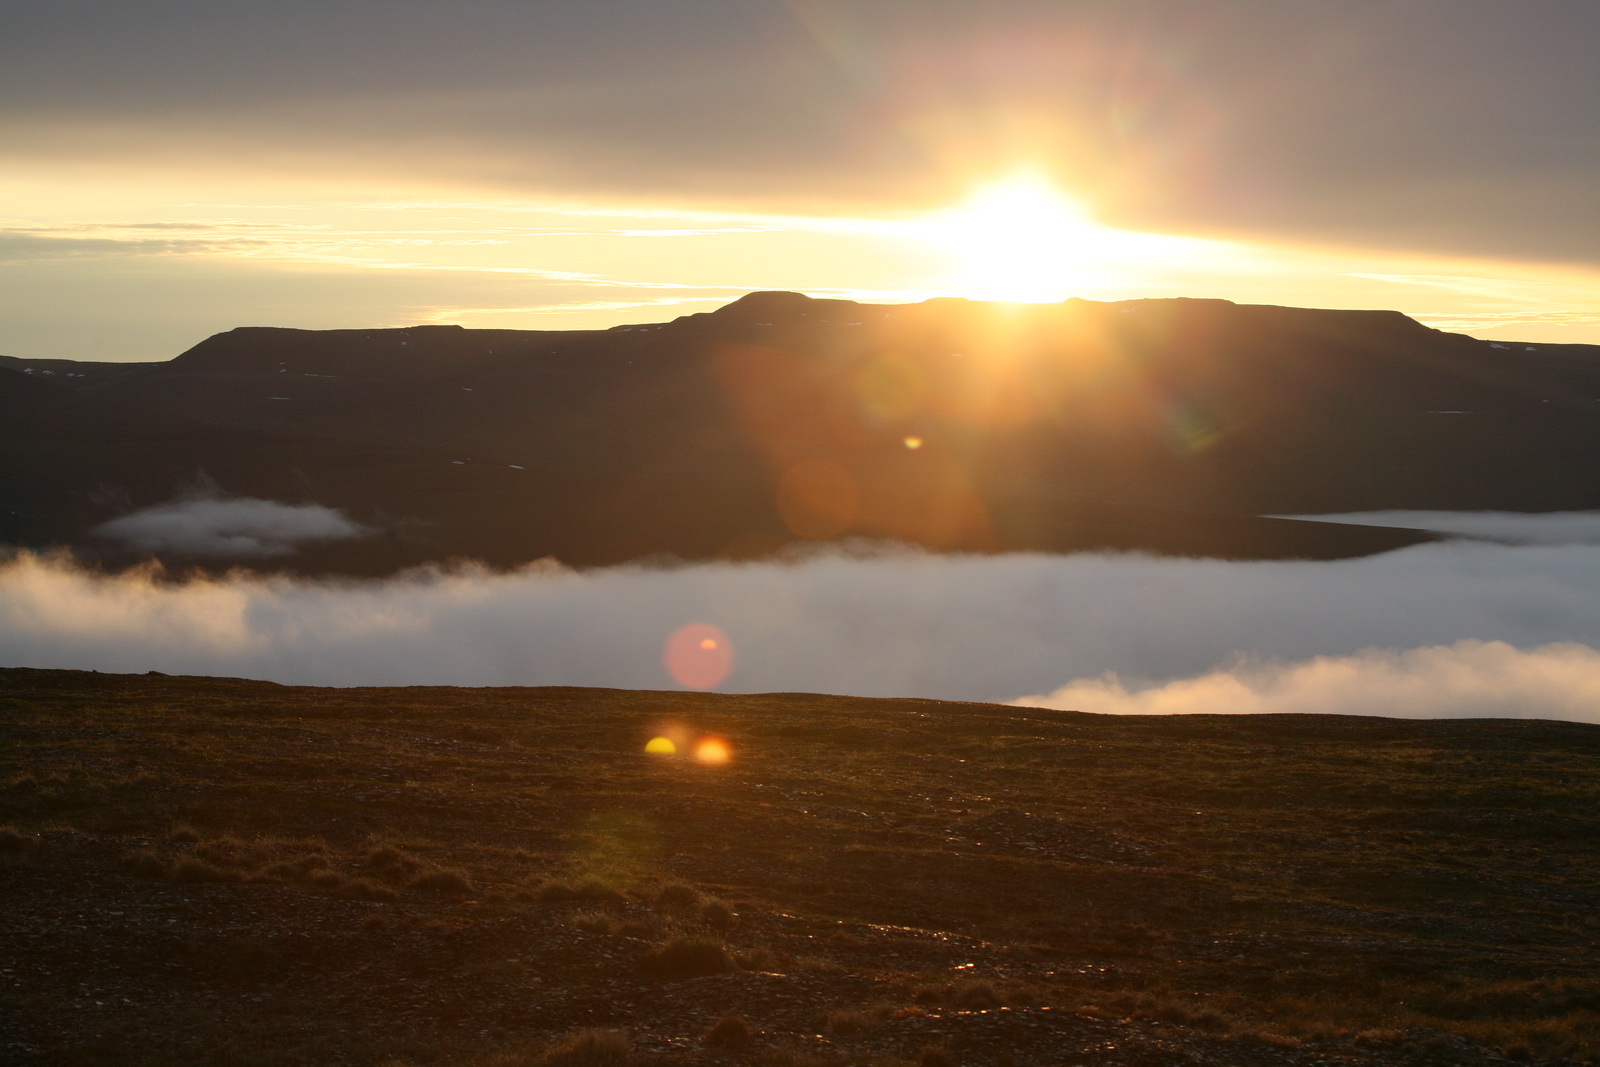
x,y
697,656
713,750
913,443
818,499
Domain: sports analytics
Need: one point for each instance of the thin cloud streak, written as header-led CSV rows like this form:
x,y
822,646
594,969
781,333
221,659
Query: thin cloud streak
x,y
1513,527
877,621
229,528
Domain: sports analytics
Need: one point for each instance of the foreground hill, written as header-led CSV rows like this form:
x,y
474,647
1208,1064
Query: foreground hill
x,y
208,870
1160,424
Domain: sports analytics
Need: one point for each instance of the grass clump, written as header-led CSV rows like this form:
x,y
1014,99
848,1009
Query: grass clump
x,y
555,893
678,895
452,882
850,1022
729,1032
392,865
687,957
595,891
590,1048
146,863
191,869
973,994
717,915
594,922
14,842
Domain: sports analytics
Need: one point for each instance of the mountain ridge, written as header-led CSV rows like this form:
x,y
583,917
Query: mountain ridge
x,y
1168,425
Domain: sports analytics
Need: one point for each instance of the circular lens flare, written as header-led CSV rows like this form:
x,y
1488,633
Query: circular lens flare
x,y
713,750
817,499
661,746
697,656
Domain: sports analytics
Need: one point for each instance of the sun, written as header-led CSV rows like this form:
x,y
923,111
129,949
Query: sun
x,y
1021,240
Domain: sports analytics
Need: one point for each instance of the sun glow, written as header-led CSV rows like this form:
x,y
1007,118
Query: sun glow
x,y
1023,240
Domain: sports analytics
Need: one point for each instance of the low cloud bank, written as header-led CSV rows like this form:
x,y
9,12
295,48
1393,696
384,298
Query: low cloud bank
x,y
1513,527
1127,631
1488,679
229,527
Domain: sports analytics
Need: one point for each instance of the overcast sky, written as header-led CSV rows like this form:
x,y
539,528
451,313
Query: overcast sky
x,y
176,167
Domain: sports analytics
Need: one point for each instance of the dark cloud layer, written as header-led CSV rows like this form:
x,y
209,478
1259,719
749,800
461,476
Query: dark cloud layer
x,y
1445,125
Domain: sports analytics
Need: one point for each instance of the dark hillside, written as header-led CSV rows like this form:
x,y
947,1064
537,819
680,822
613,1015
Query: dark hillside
x,y
1159,424
210,870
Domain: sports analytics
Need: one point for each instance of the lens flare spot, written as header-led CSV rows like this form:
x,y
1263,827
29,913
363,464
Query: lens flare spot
x,y
913,443
713,750
817,499
661,746
697,656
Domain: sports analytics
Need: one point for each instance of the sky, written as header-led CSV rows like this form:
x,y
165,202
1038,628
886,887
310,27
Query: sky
x,y
175,168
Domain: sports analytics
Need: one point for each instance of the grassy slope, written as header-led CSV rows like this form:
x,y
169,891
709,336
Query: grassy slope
x,y
209,870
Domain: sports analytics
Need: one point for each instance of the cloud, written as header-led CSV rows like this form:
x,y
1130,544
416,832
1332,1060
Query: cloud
x,y
1469,679
228,528
29,246
874,621
1557,528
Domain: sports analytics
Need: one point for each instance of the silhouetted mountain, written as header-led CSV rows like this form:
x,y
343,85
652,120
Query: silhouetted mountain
x,y
1159,424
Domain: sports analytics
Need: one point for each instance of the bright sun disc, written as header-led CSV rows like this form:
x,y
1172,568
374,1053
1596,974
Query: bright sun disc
x,y
1020,240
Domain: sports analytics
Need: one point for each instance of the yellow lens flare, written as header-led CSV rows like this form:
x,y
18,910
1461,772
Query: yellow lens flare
x,y
661,746
913,443
713,750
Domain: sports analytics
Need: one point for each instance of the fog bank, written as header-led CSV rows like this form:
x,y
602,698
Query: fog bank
x,y
1108,632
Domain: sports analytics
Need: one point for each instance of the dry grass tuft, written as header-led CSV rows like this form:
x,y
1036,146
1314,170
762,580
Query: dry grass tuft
x,y
146,864
730,1032
555,893
590,1048
678,895
687,957
190,869
452,882
973,994
14,842
367,889
594,922
716,914
594,891
791,1057
850,1022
